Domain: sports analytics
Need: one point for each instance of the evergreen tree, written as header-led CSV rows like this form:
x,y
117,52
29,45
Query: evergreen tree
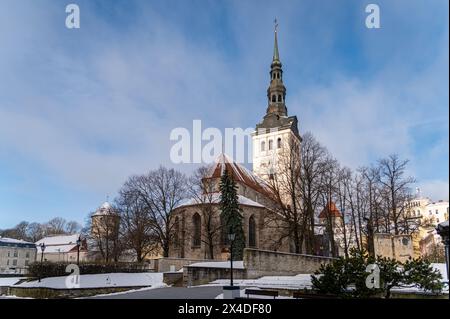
x,y
231,214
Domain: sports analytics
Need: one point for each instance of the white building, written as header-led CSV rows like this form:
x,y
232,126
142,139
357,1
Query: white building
x,y
16,255
61,248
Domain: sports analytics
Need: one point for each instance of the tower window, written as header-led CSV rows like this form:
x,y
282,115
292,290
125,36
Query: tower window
x,y
279,98
263,146
278,75
279,142
270,144
274,98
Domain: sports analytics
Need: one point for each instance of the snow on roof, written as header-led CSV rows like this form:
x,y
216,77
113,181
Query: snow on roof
x,y
59,240
219,264
51,249
13,241
105,209
214,198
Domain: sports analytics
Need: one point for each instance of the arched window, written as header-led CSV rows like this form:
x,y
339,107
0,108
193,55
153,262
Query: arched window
x,y
270,144
251,232
274,98
279,142
263,146
279,98
197,223
176,229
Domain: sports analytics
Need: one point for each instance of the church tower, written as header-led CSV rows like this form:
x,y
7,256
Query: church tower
x,y
277,134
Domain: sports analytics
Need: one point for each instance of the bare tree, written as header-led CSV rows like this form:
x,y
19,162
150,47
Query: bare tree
x,y
161,191
72,227
135,221
55,226
397,191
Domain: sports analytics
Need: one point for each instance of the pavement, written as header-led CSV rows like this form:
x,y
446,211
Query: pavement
x,y
168,293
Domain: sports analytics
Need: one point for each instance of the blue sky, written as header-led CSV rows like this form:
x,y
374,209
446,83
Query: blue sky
x,y
80,110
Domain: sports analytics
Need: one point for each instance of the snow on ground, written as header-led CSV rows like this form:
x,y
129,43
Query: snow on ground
x,y
162,285
220,264
285,282
9,281
100,281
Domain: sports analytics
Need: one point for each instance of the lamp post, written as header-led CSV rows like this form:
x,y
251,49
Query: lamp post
x,y
231,237
78,250
42,245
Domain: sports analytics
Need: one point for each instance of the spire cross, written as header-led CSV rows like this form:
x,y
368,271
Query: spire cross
x,y
276,24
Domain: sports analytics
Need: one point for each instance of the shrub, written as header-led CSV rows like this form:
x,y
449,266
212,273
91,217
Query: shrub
x,y
55,269
347,276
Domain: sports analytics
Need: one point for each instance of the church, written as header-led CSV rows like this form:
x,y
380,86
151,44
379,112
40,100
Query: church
x,y
196,223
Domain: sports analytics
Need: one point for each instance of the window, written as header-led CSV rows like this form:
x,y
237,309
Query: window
x,y
429,212
14,262
27,254
15,252
274,98
176,239
26,262
270,144
279,98
251,232
263,146
9,253
437,212
7,262
197,223
279,142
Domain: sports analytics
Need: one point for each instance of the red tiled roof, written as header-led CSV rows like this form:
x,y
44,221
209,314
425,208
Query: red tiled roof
x,y
239,174
330,209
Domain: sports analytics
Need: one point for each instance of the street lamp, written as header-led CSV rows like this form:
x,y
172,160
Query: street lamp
x,y
78,249
231,291
42,245
231,237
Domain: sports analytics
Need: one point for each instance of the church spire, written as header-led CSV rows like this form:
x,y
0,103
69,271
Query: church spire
x,y
276,54
276,92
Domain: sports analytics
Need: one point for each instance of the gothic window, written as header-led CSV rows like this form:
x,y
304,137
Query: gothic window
x,y
251,232
176,239
270,144
274,98
278,75
263,146
279,98
197,223
279,142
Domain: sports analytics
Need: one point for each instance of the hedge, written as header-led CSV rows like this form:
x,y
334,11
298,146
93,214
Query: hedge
x,y
55,269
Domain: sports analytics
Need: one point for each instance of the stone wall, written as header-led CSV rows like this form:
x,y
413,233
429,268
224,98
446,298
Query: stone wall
x,y
170,264
399,247
40,292
173,279
193,276
260,263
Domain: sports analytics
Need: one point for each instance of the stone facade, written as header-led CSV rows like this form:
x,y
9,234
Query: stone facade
x,y
399,247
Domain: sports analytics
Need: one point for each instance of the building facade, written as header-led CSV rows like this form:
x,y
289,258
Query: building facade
x,y
61,248
16,255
